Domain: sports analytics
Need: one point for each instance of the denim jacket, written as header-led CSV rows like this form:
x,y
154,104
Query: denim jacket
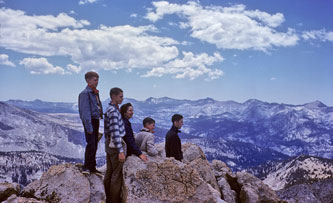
x,y
88,108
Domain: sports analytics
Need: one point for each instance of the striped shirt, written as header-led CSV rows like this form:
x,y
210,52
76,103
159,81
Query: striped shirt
x,y
114,127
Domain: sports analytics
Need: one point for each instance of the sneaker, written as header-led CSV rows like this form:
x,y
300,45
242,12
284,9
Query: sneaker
x,y
85,171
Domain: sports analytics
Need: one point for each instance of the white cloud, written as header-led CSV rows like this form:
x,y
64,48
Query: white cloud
x,y
5,61
228,27
134,15
186,43
273,78
109,48
190,66
321,35
41,66
72,12
82,2
11,20
73,68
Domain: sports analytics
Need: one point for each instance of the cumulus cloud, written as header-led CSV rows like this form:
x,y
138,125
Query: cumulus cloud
x,y
82,2
190,66
321,35
73,68
14,19
228,27
5,61
41,66
109,48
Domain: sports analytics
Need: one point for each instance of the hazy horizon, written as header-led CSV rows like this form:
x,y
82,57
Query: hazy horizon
x,y
142,100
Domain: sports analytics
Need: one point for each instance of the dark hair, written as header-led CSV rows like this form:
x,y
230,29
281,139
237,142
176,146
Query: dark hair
x,y
147,120
176,117
90,75
124,108
115,91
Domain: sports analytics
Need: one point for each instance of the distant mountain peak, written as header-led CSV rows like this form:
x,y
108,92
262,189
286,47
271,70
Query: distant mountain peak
x,y
315,104
300,169
252,101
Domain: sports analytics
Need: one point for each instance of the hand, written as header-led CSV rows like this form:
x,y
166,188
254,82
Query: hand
x,y
143,157
121,157
100,135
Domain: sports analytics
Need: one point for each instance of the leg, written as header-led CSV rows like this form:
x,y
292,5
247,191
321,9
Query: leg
x,y
107,178
91,148
116,178
95,123
113,177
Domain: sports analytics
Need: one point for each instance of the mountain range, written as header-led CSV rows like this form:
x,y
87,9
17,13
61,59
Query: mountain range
x,y
288,146
241,134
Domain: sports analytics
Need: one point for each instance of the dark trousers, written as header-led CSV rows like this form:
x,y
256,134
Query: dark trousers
x,y
91,148
113,177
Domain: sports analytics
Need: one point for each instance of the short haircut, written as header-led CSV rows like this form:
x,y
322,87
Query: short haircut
x,y
90,74
115,91
147,120
176,117
124,108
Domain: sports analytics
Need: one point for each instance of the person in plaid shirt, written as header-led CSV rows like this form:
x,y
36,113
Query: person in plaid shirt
x,y
115,147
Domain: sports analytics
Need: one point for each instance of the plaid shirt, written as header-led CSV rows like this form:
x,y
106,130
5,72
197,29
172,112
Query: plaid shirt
x,y
114,127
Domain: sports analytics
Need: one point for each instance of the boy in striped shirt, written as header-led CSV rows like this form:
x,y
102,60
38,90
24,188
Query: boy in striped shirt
x,y
115,147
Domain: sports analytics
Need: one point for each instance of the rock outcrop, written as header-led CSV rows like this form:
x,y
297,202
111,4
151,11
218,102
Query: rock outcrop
x,y
16,199
8,189
66,184
193,180
165,180
161,179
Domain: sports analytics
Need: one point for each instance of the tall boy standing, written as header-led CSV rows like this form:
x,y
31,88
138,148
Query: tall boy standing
x,y
90,109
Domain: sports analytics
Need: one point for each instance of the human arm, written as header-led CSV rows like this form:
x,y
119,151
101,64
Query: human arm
x,y
116,128
121,157
84,109
151,149
129,139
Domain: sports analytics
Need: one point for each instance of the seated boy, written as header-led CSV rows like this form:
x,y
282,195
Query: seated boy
x,y
145,139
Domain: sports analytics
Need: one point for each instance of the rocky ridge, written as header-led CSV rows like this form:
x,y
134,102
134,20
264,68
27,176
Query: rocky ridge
x,y
159,180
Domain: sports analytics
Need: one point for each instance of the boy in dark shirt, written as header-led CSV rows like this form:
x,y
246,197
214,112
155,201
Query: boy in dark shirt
x,y
173,146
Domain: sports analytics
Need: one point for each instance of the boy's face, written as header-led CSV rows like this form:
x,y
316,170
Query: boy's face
x,y
118,99
150,127
178,124
93,81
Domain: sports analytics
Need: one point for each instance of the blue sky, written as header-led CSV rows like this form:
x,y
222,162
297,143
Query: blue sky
x,y
274,51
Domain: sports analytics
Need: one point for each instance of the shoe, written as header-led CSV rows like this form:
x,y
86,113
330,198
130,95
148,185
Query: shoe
x,y
85,171
95,171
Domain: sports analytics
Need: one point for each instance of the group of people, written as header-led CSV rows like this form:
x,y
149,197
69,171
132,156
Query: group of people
x,y
120,140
